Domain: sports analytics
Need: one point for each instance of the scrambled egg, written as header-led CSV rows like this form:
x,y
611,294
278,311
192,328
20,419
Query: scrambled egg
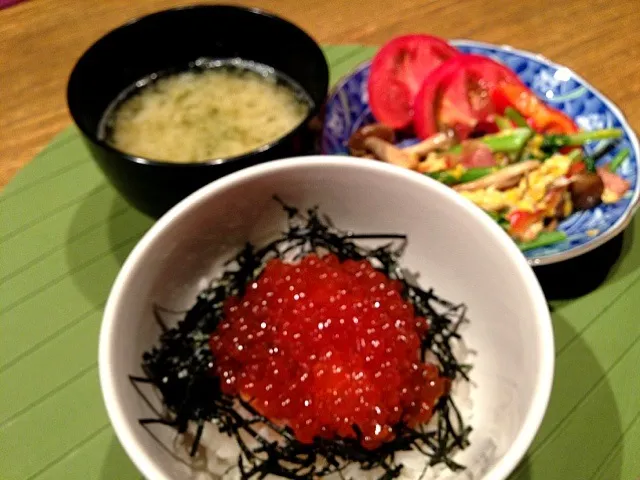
x,y
433,163
457,171
609,196
529,194
534,146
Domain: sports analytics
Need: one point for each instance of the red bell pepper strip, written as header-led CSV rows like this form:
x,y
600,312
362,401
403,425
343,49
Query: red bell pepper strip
x,y
520,222
543,118
576,167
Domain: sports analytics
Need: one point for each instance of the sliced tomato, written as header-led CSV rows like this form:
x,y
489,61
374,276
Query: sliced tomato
x,y
485,127
457,95
397,73
542,117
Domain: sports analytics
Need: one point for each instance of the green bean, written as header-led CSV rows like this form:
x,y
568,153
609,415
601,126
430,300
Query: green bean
x,y
514,115
472,174
590,160
574,155
618,159
449,178
509,141
543,239
590,163
553,143
580,138
503,123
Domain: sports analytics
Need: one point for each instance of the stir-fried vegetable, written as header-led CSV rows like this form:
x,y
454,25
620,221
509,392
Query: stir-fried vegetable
x,y
452,177
513,115
618,159
543,239
503,123
488,136
575,155
541,117
553,143
528,188
509,141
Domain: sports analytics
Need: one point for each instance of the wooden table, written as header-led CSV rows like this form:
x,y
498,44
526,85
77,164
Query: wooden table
x,y
40,40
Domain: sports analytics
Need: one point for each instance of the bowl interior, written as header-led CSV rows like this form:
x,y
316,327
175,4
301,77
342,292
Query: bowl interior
x,y
171,39
457,250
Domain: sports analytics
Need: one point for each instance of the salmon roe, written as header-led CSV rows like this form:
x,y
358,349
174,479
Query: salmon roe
x,y
321,346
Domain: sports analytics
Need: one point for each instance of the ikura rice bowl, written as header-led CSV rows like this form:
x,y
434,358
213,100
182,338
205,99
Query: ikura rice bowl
x,y
315,357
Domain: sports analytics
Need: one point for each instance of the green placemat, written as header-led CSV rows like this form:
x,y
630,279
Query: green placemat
x,y
65,234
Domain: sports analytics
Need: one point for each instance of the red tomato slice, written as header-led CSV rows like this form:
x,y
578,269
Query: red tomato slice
x,y
397,72
458,95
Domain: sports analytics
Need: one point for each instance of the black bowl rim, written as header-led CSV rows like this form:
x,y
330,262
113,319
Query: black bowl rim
x,y
93,137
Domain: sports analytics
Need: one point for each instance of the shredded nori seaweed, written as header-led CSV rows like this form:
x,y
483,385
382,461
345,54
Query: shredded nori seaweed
x,y
180,366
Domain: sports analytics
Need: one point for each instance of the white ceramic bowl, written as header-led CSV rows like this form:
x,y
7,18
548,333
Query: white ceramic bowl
x,y
457,249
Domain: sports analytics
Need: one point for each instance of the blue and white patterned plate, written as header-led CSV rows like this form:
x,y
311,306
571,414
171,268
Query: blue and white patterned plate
x,y
347,110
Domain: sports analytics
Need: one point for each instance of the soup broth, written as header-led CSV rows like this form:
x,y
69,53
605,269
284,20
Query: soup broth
x,y
216,110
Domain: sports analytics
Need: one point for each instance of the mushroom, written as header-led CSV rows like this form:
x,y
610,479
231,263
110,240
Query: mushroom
x,y
389,153
378,139
560,182
559,211
356,143
501,179
508,183
439,141
586,190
